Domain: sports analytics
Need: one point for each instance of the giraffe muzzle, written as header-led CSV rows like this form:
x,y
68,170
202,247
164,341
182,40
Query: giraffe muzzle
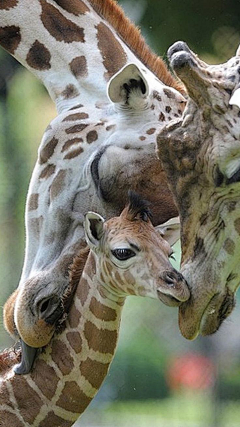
x,y
174,290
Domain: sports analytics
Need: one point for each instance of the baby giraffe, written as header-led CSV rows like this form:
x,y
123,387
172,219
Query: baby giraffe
x,y
126,256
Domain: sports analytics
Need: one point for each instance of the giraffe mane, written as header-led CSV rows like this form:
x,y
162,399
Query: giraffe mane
x,y
138,208
9,358
75,273
131,35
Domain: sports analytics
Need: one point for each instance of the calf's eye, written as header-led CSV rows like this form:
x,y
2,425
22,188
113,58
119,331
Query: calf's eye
x,y
123,254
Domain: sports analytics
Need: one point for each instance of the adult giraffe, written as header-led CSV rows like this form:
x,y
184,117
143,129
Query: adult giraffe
x,y
127,257
201,155
102,142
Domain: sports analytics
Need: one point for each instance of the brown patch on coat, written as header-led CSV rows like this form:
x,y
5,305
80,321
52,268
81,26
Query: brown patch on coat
x,y
24,393
76,106
110,127
237,225
73,153
229,246
47,383
74,317
77,7
76,128
92,136
157,96
113,54
52,419
61,28
75,341
9,419
169,93
70,143
33,202
58,184
38,57
101,311
75,116
161,117
60,355
8,4
47,171
101,340
151,131
83,291
78,66
70,91
73,399
131,35
10,38
47,151
94,371
36,224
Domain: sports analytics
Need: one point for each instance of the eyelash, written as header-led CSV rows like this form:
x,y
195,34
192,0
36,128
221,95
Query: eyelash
x,y
123,254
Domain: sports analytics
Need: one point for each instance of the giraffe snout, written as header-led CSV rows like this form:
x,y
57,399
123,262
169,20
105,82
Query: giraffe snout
x,y
174,289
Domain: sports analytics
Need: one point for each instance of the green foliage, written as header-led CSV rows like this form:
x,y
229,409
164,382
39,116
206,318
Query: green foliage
x,y
138,369
211,28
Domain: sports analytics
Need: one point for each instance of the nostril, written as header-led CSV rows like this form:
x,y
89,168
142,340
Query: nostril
x,y
50,309
169,277
172,277
44,306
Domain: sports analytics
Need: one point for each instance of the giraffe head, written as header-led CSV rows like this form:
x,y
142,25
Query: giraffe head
x,y
132,258
201,155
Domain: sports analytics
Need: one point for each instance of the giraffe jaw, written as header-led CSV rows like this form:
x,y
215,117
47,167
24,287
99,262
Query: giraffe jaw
x,y
194,321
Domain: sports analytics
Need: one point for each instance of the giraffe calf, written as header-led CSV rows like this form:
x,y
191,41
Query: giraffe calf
x,y
131,258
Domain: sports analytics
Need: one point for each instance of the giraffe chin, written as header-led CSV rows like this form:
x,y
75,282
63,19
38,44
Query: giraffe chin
x,y
193,322
168,300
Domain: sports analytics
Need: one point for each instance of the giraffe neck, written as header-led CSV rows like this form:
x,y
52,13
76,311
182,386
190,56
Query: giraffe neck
x,y
73,47
68,374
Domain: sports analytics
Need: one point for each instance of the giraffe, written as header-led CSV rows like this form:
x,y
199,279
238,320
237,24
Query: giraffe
x,y
201,155
126,255
111,93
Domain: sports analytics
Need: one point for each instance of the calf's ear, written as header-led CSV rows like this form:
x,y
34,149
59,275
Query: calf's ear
x,y
170,230
93,226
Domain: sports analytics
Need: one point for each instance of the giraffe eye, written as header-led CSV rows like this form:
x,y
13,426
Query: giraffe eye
x,y
123,254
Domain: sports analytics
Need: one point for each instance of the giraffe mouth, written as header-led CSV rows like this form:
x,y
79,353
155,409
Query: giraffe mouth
x,y
217,310
168,300
193,321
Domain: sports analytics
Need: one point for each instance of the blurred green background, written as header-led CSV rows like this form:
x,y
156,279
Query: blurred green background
x,y
157,377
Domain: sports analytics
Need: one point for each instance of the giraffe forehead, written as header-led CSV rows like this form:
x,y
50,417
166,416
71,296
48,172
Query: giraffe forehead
x,y
136,232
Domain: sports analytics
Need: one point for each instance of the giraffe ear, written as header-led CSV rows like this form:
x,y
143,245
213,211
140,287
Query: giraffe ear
x,y
129,87
170,230
93,226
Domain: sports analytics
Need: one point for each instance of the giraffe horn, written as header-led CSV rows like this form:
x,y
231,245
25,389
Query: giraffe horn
x,y
28,357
